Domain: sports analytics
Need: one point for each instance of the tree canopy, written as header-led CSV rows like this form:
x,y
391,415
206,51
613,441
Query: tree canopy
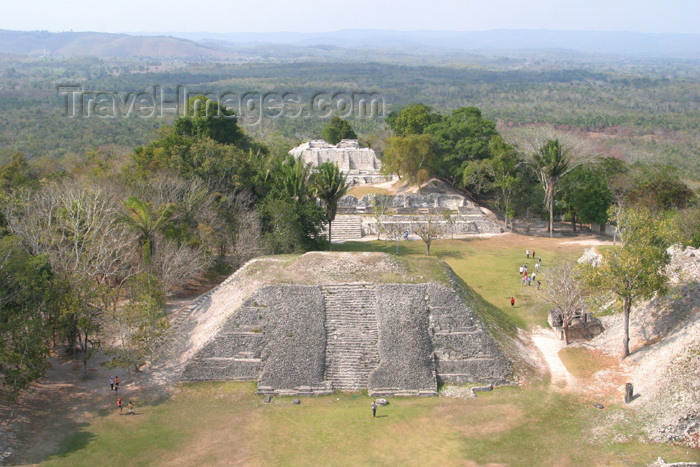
x,y
634,271
338,130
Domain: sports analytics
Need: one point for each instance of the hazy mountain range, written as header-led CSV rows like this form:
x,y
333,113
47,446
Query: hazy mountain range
x,y
294,45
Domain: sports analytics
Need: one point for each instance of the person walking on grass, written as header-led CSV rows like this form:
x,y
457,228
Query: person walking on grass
x,y
527,253
512,301
119,404
116,383
521,270
374,409
131,408
111,383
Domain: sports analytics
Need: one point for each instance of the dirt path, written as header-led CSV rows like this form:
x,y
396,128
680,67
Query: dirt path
x,y
549,346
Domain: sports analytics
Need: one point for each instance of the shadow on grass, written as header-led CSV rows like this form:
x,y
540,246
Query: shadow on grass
x,y
77,441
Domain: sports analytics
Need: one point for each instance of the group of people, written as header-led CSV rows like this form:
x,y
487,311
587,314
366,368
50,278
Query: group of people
x,y
130,407
530,279
114,386
527,278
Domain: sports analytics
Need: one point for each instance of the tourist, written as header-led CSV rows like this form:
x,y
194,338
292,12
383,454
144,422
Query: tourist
x,y
538,285
537,267
527,253
111,383
534,275
521,270
524,280
116,383
131,408
533,253
374,409
119,404
529,280
512,301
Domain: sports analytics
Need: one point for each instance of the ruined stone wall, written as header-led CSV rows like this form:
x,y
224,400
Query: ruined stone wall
x,y
406,364
464,350
348,154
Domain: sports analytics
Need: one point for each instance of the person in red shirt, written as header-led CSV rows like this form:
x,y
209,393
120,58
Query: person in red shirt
x,y
512,301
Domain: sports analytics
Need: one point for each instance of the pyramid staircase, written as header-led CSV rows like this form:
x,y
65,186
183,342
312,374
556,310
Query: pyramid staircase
x,y
351,335
345,228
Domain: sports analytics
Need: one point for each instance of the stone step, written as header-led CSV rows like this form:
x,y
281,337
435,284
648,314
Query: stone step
x,y
351,334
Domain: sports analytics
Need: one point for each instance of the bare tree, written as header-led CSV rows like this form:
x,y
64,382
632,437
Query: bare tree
x,y
396,229
174,264
380,209
563,289
73,223
429,228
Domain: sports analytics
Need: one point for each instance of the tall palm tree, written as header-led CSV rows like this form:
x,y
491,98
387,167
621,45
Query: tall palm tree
x,y
146,222
330,184
550,157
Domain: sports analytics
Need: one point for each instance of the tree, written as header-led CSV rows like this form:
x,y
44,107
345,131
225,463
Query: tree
x,y
506,180
25,293
563,289
338,130
633,271
428,228
586,196
206,119
329,186
141,322
412,120
461,137
409,157
380,208
550,157
659,188
145,222
74,225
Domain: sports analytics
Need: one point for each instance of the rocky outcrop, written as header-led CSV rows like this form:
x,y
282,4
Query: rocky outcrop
x,y
590,256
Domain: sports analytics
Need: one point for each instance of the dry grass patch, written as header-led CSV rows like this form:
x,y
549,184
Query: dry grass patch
x,y
360,191
584,363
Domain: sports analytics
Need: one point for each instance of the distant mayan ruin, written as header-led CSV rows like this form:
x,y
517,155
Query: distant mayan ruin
x,y
361,164
363,167
323,322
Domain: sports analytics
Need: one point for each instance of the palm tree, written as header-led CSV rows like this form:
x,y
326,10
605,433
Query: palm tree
x,y
551,158
330,184
145,222
295,178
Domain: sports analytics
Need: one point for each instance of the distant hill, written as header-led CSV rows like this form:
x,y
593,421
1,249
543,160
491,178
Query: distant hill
x,y
595,42
40,43
351,44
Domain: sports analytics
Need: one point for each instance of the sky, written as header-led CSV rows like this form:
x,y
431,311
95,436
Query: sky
x,y
221,16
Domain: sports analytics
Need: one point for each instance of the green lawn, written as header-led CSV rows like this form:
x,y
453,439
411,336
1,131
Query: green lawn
x,y
226,423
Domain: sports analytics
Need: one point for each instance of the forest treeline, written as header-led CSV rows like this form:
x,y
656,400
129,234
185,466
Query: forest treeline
x,y
642,111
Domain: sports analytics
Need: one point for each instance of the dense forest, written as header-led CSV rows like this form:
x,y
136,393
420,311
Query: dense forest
x,y
641,111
